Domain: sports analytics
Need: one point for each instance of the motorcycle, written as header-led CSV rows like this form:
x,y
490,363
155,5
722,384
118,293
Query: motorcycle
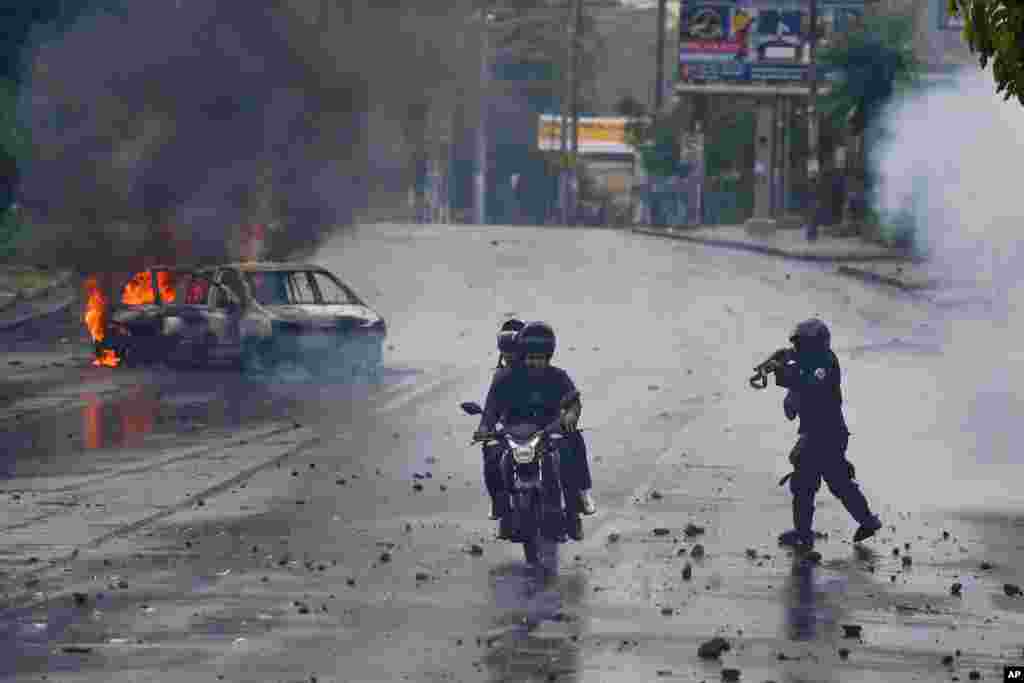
x,y
530,462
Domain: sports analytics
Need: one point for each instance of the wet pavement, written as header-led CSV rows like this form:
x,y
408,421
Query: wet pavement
x,y
201,525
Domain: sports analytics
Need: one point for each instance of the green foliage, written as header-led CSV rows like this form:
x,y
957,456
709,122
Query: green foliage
x,y
871,63
994,30
11,229
726,147
656,141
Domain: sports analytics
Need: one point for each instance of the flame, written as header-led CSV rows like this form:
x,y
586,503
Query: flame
x,y
95,319
165,281
139,290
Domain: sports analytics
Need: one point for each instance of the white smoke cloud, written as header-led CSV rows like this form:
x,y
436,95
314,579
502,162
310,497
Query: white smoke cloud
x,y
952,159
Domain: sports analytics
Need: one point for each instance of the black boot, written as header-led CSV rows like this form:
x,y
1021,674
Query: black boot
x,y
801,534
867,529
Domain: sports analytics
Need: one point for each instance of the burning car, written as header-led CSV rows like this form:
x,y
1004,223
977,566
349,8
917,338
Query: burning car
x,y
256,314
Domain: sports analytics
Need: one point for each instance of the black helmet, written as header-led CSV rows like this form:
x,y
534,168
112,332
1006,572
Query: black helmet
x,y
507,335
537,337
812,334
512,325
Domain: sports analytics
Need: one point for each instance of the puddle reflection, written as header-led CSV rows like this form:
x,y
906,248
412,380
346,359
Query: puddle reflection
x,y
537,625
124,422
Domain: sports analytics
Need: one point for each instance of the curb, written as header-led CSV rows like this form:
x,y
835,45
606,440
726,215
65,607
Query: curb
x,y
7,325
771,251
875,278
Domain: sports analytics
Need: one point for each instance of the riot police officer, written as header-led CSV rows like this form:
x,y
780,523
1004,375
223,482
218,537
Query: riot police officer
x,y
811,373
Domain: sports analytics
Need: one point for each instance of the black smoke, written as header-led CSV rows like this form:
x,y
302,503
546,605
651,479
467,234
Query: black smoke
x,y
161,127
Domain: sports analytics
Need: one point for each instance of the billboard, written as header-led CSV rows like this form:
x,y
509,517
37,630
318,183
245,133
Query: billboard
x,y
746,40
597,134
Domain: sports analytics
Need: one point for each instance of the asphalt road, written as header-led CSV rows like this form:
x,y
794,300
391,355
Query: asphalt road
x,y
268,528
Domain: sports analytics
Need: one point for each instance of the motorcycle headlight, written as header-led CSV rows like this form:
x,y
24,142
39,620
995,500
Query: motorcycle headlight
x,y
524,452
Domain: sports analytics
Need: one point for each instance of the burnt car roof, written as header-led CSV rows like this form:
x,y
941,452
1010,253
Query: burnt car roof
x,y
251,266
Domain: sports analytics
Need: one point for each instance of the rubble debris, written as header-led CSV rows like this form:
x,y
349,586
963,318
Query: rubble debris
x,y
985,566
687,572
697,552
422,576
730,675
385,557
956,588
693,530
812,556
844,653
474,550
751,554
656,495
851,631
417,486
660,531
945,535
974,675
907,561
667,611
1011,589
713,648
80,598
947,660
76,649
613,537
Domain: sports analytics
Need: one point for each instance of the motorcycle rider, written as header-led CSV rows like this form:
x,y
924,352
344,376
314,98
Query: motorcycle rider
x,y
508,356
531,394
811,373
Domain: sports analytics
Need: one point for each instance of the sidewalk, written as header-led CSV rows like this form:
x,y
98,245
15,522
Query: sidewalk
x,y
853,257
29,293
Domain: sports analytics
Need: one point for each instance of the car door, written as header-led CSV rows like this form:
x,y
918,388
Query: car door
x,y
225,311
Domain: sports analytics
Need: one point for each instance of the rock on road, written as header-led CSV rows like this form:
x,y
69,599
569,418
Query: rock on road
x,y
322,562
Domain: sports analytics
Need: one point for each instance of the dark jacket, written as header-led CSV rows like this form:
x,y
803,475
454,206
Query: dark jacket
x,y
517,397
815,378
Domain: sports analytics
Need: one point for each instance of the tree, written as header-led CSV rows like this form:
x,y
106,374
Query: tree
x,y
866,67
994,29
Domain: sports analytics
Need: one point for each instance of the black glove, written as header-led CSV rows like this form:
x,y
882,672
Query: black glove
x,y
781,356
481,435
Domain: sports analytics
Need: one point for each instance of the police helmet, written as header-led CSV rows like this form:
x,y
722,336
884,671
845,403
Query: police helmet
x,y
812,334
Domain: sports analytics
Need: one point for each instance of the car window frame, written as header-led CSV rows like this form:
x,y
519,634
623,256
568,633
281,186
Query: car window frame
x,y
353,300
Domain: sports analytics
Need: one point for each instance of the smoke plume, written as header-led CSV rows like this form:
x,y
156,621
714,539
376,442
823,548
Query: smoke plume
x,y
951,164
162,129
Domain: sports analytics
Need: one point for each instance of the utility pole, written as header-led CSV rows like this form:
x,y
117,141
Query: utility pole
x,y
480,177
564,110
659,71
574,202
812,129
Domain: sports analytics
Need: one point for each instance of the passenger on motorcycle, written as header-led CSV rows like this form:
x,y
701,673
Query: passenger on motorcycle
x,y
531,394
508,356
